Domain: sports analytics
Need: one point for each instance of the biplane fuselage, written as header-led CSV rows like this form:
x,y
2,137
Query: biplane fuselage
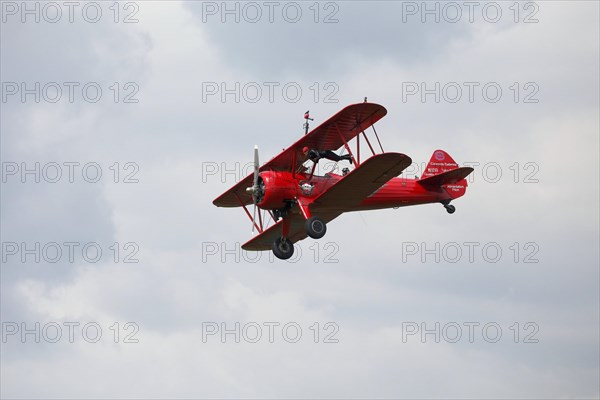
x,y
397,192
301,203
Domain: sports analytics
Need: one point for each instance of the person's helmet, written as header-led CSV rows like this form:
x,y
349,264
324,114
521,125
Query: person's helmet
x,y
305,150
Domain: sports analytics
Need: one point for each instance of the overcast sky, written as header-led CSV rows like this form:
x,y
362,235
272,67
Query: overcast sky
x,y
121,122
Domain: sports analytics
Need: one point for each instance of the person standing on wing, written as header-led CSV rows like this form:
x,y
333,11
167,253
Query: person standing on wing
x,y
316,155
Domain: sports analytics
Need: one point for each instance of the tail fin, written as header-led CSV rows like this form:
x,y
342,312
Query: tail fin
x,y
440,162
443,171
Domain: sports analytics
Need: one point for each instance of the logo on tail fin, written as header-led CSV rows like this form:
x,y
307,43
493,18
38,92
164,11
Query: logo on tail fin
x,y
439,163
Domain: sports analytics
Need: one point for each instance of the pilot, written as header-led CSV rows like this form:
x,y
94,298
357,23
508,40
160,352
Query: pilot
x,y
316,155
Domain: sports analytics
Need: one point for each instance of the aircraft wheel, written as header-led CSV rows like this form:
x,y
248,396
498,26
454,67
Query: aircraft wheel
x,y
283,248
450,209
315,227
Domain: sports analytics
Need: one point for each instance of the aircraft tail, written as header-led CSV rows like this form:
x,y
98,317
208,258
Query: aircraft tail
x,y
443,171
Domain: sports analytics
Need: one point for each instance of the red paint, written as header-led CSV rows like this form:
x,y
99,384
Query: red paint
x,y
398,192
293,192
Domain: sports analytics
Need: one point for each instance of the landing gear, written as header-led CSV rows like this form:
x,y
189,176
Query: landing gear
x,y
315,227
283,248
450,208
282,212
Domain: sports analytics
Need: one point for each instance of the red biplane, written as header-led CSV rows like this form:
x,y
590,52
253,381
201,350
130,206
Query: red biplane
x,y
300,203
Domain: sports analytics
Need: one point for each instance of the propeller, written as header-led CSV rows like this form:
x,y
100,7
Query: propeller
x,y
255,189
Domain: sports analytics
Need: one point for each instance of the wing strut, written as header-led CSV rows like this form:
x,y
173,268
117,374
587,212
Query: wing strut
x,y
377,136
304,209
260,222
358,149
345,144
369,143
259,228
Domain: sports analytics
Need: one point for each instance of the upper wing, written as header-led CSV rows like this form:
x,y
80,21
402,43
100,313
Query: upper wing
x,y
348,123
297,232
362,181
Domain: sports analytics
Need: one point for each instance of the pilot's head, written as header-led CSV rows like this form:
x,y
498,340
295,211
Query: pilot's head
x,y
305,150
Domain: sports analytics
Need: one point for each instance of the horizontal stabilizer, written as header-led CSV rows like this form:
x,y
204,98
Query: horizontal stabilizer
x,y
446,178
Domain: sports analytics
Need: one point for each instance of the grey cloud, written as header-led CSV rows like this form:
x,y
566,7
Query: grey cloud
x,y
364,32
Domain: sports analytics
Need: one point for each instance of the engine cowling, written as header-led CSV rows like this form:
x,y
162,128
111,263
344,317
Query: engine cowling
x,y
277,188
